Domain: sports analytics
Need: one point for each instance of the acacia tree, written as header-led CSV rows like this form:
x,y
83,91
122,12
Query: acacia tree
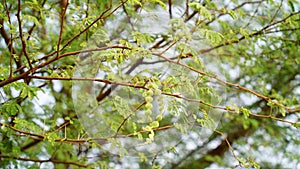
x,y
153,83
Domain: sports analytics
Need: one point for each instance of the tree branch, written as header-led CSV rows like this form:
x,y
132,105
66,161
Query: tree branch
x,y
44,161
21,35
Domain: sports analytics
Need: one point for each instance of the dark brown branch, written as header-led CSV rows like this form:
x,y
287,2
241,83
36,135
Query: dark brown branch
x,y
25,74
31,144
261,31
13,79
24,50
125,119
228,84
86,16
64,5
186,8
154,158
282,30
44,161
10,41
170,9
178,95
121,125
34,25
247,2
102,16
75,53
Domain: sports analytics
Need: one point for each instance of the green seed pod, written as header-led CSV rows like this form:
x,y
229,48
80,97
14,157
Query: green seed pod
x,y
149,92
148,106
158,117
148,99
157,92
148,112
154,124
161,104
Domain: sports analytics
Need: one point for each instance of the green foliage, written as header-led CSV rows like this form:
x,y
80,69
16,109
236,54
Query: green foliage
x,y
201,9
149,84
297,125
249,163
212,36
180,28
246,112
142,38
11,108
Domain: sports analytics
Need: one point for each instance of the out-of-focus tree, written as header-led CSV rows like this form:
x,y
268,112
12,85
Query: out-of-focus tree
x,y
149,84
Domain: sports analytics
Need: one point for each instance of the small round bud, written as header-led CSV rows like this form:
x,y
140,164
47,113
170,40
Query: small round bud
x,y
148,106
148,99
159,117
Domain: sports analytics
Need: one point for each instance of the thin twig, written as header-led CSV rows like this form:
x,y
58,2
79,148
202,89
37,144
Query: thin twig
x,y
228,83
165,93
229,145
124,120
276,13
101,17
24,50
251,18
64,7
38,18
261,31
44,161
170,9
10,42
154,158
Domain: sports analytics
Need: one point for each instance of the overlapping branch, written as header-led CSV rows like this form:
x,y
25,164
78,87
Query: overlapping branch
x,y
44,161
47,60
181,96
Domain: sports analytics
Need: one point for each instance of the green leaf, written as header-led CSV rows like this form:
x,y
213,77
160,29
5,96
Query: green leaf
x,y
201,9
26,125
244,32
291,4
271,103
32,18
51,137
231,13
213,36
142,38
180,127
161,3
245,111
154,124
235,108
283,111
151,135
135,2
140,136
297,125
180,28
24,93
11,108
159,117
143,158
